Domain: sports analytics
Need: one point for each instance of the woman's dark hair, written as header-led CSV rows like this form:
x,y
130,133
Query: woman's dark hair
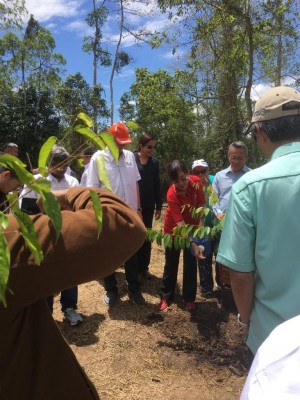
x,y
174,168
145,138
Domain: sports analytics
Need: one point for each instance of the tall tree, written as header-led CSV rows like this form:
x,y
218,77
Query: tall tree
x,y
93,44
163,110
11,13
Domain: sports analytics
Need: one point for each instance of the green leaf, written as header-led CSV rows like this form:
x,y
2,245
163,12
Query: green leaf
x,y
6,160
52,209
98,210
45,153
189,229
176,242
4,221
13,200
168,241
85,119
102,173
18,167
108,139
40,185
88,133
4,266
29,235
159,239
182,242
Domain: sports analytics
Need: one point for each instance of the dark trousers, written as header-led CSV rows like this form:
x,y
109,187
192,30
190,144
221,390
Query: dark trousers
x,y
171,271
132,277
144,253
68,299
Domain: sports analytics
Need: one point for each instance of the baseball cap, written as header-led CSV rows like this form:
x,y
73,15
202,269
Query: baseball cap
x,y
199,163
120,133
277,102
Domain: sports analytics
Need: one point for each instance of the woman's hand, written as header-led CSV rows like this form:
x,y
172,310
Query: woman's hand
x,y
197,251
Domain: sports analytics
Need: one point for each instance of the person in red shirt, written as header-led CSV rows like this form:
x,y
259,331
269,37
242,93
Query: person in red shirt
x,y
184,190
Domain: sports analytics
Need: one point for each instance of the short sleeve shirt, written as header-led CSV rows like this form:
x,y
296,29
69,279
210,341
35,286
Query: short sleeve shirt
x,y
175,213
122,176
261,234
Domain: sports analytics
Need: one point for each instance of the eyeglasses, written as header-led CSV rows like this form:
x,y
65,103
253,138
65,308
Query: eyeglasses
x,y
200,171
235,158
150,146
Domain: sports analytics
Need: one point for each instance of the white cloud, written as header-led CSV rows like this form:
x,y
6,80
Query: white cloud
x,y
44,10
126,73
80,27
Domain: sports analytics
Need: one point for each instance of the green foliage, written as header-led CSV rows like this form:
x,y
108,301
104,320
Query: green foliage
x,y
45,153
29,235
163,110
11,13
182,234
98,210
102,172
4,258
52,209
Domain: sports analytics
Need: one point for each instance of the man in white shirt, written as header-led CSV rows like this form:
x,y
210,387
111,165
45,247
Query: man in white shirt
x,y
122,179
58,164
86,158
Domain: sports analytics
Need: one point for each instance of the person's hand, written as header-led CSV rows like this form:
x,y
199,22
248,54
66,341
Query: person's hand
x,y
220,216
197,252
157,214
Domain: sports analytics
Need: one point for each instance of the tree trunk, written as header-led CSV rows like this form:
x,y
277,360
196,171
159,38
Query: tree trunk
x,y
115,64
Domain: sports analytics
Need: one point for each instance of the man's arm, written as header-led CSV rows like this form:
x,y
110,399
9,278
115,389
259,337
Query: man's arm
x,y
242,284
78,255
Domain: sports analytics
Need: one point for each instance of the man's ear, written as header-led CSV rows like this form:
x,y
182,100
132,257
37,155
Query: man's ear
x,y
6,175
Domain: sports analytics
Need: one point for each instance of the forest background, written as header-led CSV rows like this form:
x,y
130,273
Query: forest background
x,y
225,49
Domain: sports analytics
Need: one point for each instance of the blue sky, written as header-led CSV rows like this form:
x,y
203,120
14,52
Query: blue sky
x,y
66,21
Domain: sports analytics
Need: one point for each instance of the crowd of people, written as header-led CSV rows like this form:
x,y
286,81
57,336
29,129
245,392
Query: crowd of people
x,y
258,243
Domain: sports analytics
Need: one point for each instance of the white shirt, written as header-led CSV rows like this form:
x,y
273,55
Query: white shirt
x,y
83,179
122,176
67,182
275,371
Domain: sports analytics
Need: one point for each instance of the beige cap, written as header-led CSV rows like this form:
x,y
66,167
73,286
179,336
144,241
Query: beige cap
x,y
276,103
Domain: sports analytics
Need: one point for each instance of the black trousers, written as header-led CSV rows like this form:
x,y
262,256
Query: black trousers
x,y
132,277
68,299
144,253
189,288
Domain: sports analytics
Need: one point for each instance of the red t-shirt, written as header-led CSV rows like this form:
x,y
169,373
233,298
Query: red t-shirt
x,y
194,197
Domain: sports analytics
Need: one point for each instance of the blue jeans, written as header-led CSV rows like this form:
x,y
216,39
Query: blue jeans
x,y
68,299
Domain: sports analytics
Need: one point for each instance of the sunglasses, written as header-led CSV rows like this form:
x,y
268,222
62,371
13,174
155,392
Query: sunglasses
x,y
150,147
200,171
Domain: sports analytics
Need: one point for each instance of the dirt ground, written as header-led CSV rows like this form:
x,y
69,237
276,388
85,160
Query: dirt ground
x,y
136,353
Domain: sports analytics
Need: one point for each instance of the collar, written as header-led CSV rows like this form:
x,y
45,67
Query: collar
x,y
285,149
229,170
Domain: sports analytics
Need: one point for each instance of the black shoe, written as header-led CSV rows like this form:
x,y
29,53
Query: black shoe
x,y
110,298
137,298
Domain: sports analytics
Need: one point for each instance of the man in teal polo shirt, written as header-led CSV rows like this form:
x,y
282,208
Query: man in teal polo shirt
x,y
263,221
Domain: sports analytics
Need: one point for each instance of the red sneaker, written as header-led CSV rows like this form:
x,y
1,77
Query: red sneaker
x,y
163,305
190,306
